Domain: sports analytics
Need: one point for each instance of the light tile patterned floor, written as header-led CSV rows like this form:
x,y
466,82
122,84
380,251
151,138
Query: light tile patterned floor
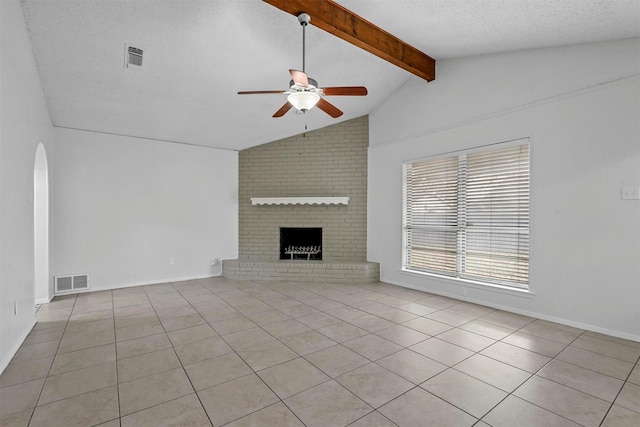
x,y
221,352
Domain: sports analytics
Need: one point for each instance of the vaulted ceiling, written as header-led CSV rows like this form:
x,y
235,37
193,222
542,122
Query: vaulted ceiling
x,y
199,53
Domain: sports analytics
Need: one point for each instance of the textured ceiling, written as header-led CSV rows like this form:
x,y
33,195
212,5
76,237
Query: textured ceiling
x,y
198,54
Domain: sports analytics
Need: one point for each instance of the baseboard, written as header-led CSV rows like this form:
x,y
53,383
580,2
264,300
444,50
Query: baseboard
x,y
541,316
44,300
14,349
145,283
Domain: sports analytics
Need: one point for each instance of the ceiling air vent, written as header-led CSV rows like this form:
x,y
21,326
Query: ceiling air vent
x,y
133,56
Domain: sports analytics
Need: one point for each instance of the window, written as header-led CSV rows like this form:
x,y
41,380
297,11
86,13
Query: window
x,y
467,215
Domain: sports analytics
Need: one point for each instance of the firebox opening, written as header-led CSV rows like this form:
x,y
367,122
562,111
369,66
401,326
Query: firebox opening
x,y
301,243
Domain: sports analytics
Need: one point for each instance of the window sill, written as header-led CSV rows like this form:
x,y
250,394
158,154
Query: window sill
x,y
489,287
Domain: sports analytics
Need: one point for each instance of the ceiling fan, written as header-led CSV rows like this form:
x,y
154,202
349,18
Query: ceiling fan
x,y
303,93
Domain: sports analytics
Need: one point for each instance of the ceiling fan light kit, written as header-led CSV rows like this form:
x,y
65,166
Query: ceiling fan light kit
x,y
304,93
303,101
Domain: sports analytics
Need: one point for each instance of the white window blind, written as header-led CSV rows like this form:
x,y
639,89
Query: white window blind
x,y
467,216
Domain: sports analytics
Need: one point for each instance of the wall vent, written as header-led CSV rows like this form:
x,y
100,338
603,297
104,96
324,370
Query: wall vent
x,y
132,56
72,283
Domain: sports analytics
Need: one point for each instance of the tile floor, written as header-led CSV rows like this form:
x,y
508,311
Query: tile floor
x,y
221,352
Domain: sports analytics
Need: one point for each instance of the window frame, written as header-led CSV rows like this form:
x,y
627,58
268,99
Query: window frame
x,y
457,275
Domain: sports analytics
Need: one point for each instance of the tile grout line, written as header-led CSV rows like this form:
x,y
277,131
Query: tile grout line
x,y
177,357
329,295
115,346
478,419
280,400
236,353
620,391
474,353
52,360
512,393
370,361
299,356
564,385
258,326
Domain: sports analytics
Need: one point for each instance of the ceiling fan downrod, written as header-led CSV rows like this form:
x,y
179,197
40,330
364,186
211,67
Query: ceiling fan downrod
x,y
304,20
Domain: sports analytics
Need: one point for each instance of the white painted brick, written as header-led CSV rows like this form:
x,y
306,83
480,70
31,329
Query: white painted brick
x,y
328,162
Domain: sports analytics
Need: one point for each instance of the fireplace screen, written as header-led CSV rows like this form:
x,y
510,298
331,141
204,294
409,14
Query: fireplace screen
x,y
301,243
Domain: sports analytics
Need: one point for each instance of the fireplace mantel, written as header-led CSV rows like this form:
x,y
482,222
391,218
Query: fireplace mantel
x,y
299,200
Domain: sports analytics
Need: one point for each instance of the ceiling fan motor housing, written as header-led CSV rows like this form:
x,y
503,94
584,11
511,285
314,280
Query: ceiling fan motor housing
x,y
313,84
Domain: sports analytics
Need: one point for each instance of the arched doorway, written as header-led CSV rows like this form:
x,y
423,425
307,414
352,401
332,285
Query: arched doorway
x,y
41,226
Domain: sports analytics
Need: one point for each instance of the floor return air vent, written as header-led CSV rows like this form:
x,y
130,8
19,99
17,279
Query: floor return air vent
x,y
72,283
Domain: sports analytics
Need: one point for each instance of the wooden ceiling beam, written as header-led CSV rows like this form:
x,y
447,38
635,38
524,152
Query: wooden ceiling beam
x,y
341,22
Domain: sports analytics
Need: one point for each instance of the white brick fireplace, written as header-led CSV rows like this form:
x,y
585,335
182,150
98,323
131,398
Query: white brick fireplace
x,y
317,180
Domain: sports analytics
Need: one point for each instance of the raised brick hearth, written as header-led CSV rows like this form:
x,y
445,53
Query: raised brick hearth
x,y
302,271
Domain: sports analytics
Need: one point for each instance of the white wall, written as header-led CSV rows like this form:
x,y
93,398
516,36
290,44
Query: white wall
x,y
580,106
124,206
42,241
24,121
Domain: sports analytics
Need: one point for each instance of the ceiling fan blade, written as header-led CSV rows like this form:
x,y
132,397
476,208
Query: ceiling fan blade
x,y
254,92
328,108
299,78
283,110
345,90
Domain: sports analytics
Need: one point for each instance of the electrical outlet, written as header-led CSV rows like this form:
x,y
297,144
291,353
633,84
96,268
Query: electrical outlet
x,y
172,261
214,261
630,193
